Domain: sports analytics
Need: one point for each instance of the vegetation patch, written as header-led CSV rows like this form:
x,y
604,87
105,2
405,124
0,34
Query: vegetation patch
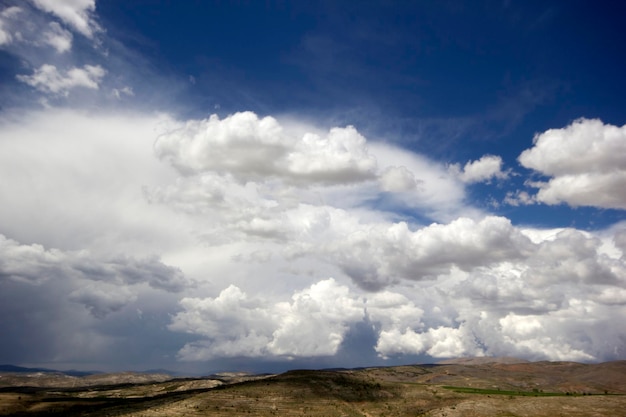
x,y
537,393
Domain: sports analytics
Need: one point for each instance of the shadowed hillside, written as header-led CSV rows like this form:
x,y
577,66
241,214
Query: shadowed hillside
x,y
483,389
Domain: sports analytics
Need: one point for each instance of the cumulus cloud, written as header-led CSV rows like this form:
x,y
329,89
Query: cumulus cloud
x,y
375,257
586,163
440,342
481,170
223,231
250,148
246,245
491,289
77,14
552,304
49,79
391,310
313,323
236,325
556,302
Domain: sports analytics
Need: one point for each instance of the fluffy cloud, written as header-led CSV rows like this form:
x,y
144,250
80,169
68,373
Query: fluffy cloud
x,y
440,342
375,257
250,148
558,301
78,14
313,323
245,246
49,79
554,301
210,239
483,169
586,162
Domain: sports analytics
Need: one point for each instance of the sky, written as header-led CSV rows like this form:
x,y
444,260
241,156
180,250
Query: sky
x,y
206,186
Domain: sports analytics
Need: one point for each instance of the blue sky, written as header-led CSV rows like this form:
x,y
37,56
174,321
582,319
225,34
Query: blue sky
x,y
204,186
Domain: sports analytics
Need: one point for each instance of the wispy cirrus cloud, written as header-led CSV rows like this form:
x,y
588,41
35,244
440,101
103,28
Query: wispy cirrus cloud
x,y
77,14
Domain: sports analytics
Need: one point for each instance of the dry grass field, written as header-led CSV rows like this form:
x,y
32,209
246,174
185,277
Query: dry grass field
x,y
454,389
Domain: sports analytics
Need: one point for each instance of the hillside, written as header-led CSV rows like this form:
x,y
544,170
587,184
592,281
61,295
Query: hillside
x,y
455,389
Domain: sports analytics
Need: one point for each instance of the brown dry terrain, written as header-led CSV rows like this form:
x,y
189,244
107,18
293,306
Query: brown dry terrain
x,y
465,388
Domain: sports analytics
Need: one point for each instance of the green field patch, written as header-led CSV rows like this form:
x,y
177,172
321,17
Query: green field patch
x,y
468,390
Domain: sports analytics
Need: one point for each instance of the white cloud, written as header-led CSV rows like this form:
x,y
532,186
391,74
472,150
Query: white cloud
x,y
78,14
232,246
391,310
438,194
518,198
394,342
241,263
5,36
26,33
89,180
57,37
6,15
49,79
483,169
339,157
234,324
558,303
377,256
440,342
586,162
397,179
538,335
313,323
251,149
124,91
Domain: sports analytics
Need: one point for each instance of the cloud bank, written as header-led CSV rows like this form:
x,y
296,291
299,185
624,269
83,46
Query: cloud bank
x,y
131,235
268,258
